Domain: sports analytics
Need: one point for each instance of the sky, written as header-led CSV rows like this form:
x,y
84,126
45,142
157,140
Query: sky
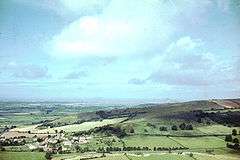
x,y
119,49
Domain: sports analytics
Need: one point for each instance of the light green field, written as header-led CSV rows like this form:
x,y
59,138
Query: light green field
x,y
25,119
217,129
95,142
150,141
66,119
164,156
80,127
75,156
200,156
201,142
22,156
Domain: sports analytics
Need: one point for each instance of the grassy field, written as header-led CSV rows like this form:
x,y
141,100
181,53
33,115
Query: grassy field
x,y
70,128
163,156
22,156
217,129
200,142
150,141
25,119
95,142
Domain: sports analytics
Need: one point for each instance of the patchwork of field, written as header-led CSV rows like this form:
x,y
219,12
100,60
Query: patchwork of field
x,y
25,119
22,156
12,134
153,156
70,128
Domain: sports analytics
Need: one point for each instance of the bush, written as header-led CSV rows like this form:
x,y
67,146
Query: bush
x,y
235,140
228,138
182,126
234,132
163,128
48,155
174,128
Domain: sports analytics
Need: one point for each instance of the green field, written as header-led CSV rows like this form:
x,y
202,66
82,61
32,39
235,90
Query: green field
x,y
217,129
22,156
150,141
95,142
200,142
163,156
71,128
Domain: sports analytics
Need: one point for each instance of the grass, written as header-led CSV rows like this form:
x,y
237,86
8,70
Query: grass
x,y
163,156
96,142
150,141
81,127
26,119
217,129
200,142
199,156
22,156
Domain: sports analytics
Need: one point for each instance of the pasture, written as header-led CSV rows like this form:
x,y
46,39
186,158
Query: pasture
x,y
22,156
200,142
150,141
217,129
70,128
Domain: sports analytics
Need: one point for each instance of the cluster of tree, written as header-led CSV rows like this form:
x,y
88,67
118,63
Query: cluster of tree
x,y
12,142
136,148
108,130
234,146
117,113
108,149
163,128
229,118
182,126
83,149
234,132
111,130
48,155
234,142
167,149
128,129
151,125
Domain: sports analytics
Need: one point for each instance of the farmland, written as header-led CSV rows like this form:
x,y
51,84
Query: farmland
x,y
192,130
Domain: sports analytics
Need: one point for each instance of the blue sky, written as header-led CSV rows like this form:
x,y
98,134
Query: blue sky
x,y
119,49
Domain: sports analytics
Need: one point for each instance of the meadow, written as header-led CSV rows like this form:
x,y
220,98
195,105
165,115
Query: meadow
x,y
22,156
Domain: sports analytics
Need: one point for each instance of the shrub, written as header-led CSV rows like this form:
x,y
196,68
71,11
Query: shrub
x,y
228,138
174,127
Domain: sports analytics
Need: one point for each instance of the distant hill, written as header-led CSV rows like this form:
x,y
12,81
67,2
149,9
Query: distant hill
x,y
228,103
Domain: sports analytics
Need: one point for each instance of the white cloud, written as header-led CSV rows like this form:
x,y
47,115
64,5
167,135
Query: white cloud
x,y
81,6
122,28
186,62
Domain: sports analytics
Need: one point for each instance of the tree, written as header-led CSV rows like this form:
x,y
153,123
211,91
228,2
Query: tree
x,y
163,128
39,139
182,126
131,130
234,132
48,156
189,127
228,138
235,140
174,127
